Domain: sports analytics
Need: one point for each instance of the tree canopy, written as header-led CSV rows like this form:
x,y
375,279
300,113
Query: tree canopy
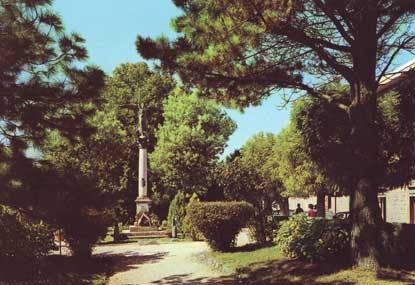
x,y
300,175
45,87
240,51
245,176
110,155
42,86
189,142
245,50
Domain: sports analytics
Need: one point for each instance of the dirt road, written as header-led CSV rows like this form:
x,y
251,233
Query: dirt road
x,y
170,263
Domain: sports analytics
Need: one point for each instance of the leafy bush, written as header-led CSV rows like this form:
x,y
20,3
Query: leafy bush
x,y
22,240
155,220
177,210
398,244
163,224
313,239
262,228
220,222
82,229
188,227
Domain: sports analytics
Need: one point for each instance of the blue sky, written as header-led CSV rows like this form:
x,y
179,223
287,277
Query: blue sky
x,y
110,28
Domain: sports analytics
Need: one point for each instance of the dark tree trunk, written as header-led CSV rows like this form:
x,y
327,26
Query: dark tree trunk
x,y
116,234
283,203
366,223
321,199
365,214
260,231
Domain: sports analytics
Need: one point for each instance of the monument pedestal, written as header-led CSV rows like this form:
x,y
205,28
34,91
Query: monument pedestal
x,y
142,219
143,226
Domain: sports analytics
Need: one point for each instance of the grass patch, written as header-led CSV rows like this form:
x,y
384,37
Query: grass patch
x,y
250,265
241,257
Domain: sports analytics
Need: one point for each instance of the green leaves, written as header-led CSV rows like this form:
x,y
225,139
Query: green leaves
x,y
40,86
189,142
109,155
45,90
245,176
313,239
220,222
292,165
396,124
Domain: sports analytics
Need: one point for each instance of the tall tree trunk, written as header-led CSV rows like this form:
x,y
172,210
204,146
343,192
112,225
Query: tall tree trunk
x,y
365,214
321,199
366,222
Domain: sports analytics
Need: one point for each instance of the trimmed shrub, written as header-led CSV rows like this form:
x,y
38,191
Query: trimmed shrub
x,y
177,210
189,229
313,239
220,222
21,240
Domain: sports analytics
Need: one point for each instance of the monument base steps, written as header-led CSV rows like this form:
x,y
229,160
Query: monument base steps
x,y
136,232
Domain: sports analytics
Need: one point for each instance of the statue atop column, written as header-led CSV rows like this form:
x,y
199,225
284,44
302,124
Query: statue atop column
x,y
142,201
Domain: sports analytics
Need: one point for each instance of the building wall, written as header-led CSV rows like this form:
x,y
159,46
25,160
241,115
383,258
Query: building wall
x,y
292,202
397,205
342,203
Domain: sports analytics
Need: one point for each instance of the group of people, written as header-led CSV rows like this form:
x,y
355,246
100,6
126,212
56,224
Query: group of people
x,y
312,211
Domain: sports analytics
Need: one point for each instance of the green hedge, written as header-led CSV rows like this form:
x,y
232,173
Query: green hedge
x,y
314,239
220,222
188,227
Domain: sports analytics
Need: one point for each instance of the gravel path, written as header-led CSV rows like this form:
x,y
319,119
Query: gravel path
x,y
171,263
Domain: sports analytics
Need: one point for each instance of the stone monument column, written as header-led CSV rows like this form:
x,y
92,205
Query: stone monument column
x,y
142,201
142,173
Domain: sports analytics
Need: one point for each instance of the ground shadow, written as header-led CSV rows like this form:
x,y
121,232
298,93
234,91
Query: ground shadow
x,y
187,280
150,241
390,274
129,260
55,269
286,272
273,272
